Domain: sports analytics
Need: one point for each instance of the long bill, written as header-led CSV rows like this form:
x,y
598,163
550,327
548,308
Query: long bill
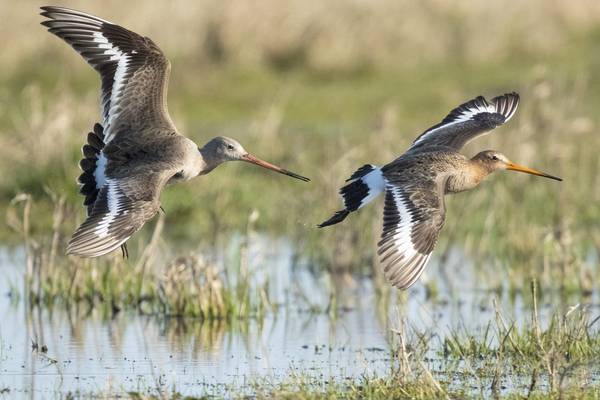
x,y
255,160
521,168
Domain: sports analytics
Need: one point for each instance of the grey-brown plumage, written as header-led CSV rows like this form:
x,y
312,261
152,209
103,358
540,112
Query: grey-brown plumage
x,y
416,182
136,150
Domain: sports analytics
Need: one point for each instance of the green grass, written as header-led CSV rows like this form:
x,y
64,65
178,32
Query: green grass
x,y
335,93
325,129
534,361
323,123
154,283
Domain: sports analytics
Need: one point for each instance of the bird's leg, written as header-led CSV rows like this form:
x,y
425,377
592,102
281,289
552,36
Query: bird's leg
x,y
124,250
163,210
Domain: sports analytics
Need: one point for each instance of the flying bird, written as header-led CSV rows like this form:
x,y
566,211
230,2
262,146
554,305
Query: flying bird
x,y
415,184
136,151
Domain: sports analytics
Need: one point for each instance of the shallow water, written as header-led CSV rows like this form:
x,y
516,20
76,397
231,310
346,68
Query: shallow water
x,y
139,353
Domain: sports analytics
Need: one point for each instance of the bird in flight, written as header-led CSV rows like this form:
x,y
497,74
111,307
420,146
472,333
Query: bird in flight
x,y
136,151
415,184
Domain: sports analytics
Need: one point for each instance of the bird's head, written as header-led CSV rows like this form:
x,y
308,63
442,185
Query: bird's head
x,y
492,160
222,149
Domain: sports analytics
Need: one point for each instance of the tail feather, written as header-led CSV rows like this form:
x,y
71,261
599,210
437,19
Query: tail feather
x,y
362,171
364,185
337,218
88,164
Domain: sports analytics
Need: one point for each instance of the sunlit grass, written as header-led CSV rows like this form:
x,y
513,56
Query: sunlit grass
x,y
323,88
152,283
541,361
326,130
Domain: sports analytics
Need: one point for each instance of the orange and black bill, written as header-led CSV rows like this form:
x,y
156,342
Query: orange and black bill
x,y
520,168
255,160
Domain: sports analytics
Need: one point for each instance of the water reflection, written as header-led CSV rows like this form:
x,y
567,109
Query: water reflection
x,y
331,326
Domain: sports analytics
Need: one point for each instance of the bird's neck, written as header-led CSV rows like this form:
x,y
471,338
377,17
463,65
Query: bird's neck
x,y
194,162
467,178
209,160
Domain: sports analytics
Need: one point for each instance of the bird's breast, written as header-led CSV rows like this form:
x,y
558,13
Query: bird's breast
x,y
464,179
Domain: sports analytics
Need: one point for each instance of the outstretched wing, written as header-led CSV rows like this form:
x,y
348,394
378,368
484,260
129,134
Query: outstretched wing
x,y
468,121
121,209
413,216
133,69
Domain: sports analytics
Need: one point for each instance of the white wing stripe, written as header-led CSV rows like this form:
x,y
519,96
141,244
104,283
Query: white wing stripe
x,y
122,59
113,198
463,117
403,231
376,183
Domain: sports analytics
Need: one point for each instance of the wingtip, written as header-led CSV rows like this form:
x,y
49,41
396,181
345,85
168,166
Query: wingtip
x,y
514,95
47,10
69,251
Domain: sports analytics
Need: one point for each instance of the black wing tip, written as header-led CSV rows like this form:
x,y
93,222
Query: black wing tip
x,y
82,244
64,14
74,249
47,11
514,96
59,9
507,104
510,96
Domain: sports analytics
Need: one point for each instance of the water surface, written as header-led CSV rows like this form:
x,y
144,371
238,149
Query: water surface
x,y
130,352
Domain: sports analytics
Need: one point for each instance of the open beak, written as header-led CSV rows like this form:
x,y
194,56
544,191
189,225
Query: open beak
x,y
254,160
520,168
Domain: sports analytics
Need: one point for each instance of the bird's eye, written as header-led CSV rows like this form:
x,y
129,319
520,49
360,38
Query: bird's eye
x,y
495,158
229,147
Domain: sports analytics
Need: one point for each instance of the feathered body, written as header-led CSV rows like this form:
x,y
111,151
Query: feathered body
x,y
416,182
136,151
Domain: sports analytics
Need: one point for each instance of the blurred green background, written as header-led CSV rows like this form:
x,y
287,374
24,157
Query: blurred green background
x,y
322,87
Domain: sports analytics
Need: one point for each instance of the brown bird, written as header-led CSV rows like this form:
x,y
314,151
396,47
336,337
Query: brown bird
x,y
136,151
415,184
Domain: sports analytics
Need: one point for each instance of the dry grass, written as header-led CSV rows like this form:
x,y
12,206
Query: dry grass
x,y
330,35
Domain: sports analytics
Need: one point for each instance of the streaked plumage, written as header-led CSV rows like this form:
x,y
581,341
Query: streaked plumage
x,y
136,151
416,182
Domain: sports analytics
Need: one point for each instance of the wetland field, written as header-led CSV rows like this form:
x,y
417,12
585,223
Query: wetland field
x,y
233,292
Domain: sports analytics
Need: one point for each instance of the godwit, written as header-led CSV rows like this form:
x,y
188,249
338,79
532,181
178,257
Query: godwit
x,y
136,151
415,184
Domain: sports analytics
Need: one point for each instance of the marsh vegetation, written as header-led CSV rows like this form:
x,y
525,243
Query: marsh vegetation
x,y
236,267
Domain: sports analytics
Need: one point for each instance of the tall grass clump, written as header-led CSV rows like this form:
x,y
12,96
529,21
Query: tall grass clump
x,y
150,283
552,356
